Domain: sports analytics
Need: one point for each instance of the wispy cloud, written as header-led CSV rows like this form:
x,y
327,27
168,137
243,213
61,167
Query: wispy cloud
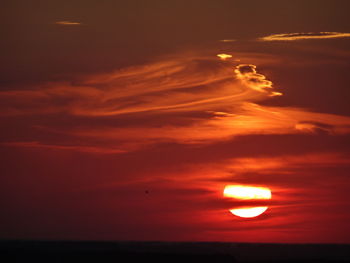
x,y
227,40
303,36
78,148
224,56
197,100
68,23
246,119
249,76
177,84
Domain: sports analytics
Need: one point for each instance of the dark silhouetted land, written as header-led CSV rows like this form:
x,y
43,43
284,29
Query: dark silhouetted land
x,y
71,251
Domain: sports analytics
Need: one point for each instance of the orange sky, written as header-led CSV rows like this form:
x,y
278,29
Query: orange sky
x,y
121,122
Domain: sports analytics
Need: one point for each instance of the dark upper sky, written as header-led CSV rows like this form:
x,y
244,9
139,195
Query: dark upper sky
x,y
118,33
120,122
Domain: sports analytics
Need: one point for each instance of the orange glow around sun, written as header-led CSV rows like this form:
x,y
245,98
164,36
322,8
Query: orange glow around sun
x,y
241,192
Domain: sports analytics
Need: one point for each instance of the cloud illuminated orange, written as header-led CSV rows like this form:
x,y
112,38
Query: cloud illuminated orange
x,y
249,76
226,96
68,23
223,56
303,36
177,84
78,148
227,40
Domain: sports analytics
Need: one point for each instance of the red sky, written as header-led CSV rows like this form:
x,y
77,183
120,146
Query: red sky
x,y
120,122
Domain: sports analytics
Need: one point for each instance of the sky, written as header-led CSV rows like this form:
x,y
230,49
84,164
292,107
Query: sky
x,y
126,120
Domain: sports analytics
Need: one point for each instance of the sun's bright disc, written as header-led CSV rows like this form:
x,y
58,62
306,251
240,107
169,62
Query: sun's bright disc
x,y
242,192
247,192
249,212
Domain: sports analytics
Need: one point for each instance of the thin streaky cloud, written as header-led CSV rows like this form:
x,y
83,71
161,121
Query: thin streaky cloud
x,y
245,119
68,23
302,36
228,93
175,85
227,40
224,56
78,148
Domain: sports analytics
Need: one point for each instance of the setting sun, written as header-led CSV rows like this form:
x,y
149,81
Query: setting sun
x,y
247,193
249,212
174,121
